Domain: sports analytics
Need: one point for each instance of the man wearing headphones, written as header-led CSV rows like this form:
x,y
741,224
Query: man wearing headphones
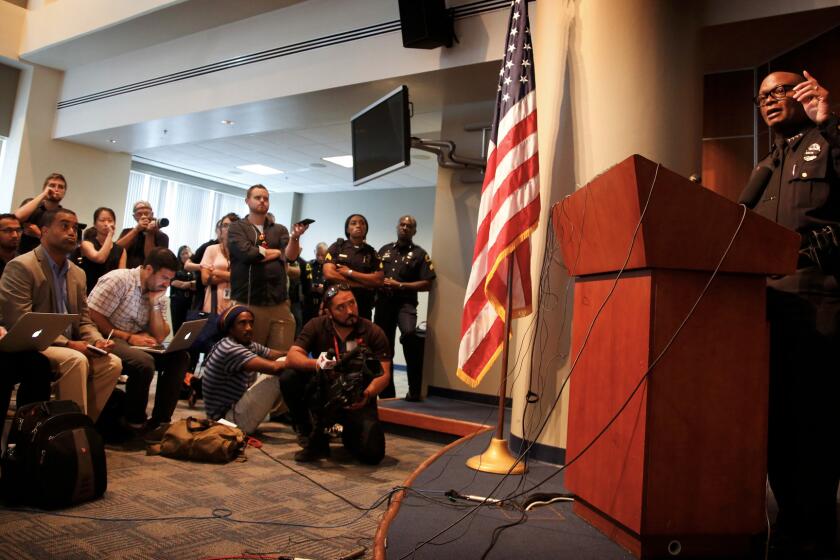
x,y
229,367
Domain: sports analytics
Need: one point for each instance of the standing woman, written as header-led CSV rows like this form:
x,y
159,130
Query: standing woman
x,y
99,253
215,270
181,290
353,262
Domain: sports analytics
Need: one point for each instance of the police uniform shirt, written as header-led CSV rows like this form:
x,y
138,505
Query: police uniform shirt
x,y
803,192
406,263
362,258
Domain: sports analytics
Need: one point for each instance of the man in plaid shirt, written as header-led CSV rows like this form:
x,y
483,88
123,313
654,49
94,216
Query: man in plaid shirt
x,y
131,305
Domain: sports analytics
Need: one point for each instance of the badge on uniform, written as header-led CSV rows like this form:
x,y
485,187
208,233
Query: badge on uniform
x,y
812,152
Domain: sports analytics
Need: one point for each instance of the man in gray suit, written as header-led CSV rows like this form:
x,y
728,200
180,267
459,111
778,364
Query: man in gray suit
x,y
45,281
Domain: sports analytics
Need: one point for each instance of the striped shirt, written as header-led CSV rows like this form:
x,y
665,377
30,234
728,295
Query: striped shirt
x,y
225,379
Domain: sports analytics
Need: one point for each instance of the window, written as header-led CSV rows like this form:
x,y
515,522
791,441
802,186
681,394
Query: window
x,y
192,211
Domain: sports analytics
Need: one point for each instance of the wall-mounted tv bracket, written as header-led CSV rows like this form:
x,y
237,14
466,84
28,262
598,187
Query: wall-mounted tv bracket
x,y
445,150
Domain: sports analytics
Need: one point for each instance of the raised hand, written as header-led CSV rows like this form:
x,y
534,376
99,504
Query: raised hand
x,y
814,98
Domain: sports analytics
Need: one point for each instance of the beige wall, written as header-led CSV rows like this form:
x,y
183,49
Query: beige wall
x,y
456,212
95,178
628,81
12,19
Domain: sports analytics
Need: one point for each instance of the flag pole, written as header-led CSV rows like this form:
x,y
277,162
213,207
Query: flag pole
x,y
497,458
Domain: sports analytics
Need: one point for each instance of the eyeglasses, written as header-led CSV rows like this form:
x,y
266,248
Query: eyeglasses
x,y
333,290
11,230
778,92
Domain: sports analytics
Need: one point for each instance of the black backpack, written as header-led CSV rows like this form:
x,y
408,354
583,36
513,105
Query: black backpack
x,y
54,457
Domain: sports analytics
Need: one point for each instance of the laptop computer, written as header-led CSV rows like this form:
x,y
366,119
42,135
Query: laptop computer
x,y
35,331
182,340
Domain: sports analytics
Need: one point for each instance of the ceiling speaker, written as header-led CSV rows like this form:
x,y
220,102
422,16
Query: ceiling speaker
x,y
426,24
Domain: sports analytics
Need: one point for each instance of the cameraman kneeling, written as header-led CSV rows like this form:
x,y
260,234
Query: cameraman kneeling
x,y
325,390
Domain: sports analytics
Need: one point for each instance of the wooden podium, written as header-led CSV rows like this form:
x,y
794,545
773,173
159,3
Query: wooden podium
x,y
681,472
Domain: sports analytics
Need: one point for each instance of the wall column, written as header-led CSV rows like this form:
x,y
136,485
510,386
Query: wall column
x,y
626,79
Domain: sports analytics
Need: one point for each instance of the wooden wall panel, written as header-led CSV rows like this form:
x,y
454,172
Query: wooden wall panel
x,y
727,104
727,164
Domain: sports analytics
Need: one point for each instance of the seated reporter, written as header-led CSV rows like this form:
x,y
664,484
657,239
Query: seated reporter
x,y
31,369
46,281
131,305
340,330
229,367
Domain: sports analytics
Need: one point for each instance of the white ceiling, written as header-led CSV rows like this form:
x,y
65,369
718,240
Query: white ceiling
x,y
295,132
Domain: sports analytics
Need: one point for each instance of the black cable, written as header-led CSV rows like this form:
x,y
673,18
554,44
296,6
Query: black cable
x,y
497,532
571,371
583,346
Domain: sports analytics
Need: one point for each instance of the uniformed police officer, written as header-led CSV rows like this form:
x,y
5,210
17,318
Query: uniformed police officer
x,y
315,275
353,262
802,193
408,270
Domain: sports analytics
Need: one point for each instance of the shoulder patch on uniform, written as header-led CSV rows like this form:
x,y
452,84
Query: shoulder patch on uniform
x,y
427,258
328,257
812,152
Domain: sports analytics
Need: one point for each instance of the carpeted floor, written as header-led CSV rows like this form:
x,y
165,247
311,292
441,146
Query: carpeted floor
x,y
163,508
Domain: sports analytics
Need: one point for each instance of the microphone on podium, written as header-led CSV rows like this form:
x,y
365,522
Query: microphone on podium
x,y
755,186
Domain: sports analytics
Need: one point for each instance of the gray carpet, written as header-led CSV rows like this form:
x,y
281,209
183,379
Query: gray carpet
x,y
260,506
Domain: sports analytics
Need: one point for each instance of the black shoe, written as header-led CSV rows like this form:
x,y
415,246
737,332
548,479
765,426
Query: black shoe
x,y
411,397
314,450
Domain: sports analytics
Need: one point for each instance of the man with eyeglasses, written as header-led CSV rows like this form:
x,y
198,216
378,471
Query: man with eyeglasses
x,y
798,186
31,212
144,237
339,330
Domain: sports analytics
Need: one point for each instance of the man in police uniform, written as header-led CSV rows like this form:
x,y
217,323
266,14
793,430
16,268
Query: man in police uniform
x,y
802,193
408,270
315,275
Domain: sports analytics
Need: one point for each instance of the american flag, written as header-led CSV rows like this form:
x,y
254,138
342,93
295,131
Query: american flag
x,y
509,210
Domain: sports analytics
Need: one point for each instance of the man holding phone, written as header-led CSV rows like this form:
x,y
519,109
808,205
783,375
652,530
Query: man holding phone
x,y
31,212
259,252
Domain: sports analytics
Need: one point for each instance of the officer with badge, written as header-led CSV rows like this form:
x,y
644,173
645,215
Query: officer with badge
x,y
353,262
798,186
408,270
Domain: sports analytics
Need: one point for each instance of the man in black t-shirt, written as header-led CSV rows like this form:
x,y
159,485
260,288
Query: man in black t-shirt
x,y
339,330
31,212
139,241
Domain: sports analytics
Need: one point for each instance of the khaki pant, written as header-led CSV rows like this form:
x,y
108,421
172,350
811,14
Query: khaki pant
x,y
274,325
87,382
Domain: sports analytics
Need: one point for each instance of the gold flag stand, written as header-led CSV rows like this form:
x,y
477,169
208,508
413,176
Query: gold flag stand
x,y
497,458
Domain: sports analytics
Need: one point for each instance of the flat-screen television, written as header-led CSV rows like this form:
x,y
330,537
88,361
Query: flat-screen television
x,y
381,137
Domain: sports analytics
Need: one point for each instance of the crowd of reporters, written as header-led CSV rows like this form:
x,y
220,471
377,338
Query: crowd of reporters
x,y
276,324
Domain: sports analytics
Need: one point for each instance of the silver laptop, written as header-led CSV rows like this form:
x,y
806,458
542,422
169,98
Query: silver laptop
x,y
35,331
183,339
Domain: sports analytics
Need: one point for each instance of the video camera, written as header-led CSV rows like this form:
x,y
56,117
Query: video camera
x,y
334,389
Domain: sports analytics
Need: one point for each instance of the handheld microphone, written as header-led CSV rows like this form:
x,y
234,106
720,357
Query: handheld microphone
x,y
755,186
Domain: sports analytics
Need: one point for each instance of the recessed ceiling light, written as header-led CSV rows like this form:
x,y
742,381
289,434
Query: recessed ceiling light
x,y
228,122
112,140
236,172
259,169
420,156
343,161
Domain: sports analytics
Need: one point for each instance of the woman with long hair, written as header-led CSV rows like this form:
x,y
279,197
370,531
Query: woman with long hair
x,y
98,252
215,270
